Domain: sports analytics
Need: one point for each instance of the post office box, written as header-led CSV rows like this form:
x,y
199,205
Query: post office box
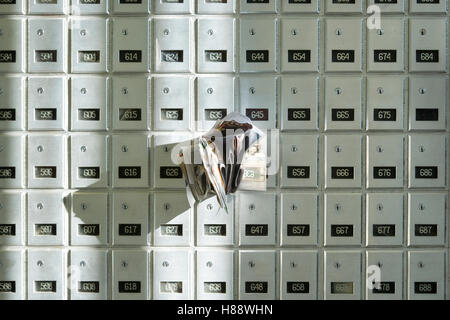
x,y
12,94
343,161
130,44
89,43
258,43
215,275
299,103
427,44
215,226
385,46
426,219
12,42
88,274
173,52
90,7
384,219
47,45
12,274
130,273
344,6
12,163
89,160
427,103
131,214
12,6
257,218
46,274
342,272
424,6
89,219
216,7
385,103
47,103
47,6
343,214
172,6
426,275
216,45
258,100
299,219
385,160
130,103
299,159
427,163
257,275
12,219
294,6
343,103
131,7
215,99
258,6
89,100
300,45
298,275
173,219
130,160
172,275
343,44
47,161
47,218
390,266
388,6
166,170
172,103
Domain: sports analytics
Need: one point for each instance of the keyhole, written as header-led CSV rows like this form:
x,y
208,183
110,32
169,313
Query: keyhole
x,y
338,149
166,206
251,207
294,148
379,149
83,148
294,207
421,265
210,90
252,32
421,207
124,149
124,32
40,263
166,90
40,90
293,264
294,32
83,91
83,32
40,206
210,32
422,90
380,90
40,148
379,264
124,264
338,207
124,206
421,149
380,32
209,264
252,90
83,206
422,31
165,264
338,32
294,90
379,207
337,265
251,264
209,206
124,90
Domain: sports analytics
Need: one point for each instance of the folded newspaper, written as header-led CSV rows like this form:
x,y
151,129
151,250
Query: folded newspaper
x,y
231,156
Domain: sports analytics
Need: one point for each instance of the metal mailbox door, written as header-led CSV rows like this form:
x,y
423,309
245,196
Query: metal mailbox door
x,y
173,219
12,43
258,45
12,219
426,219
172,46
299,160
89,160
258,6
215,275
130,103
89,98
12,155
12,7
216,7
47,6
89,43
90,7
257,275
89,219
384,219
299,224
130,7
390,266
131,218
46,274
47,45
47,163
299,103
299,277
130,276
172,275
89,274
47,103
216,45
130,160
300,45
342,272
12,103
130,44
343,161
47,218
12,274
299,6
